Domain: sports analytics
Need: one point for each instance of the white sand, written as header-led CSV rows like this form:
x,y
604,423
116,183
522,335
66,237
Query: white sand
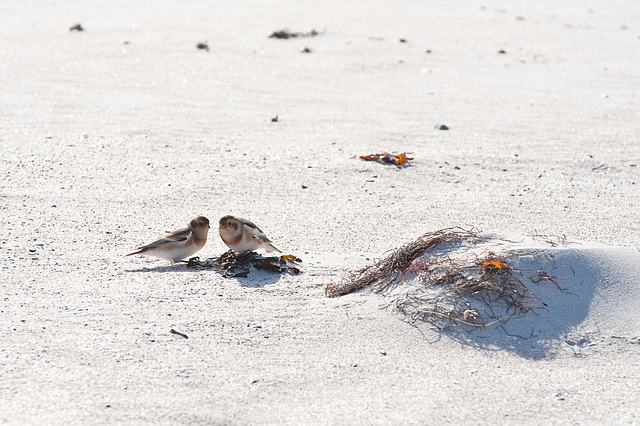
x,y
105,145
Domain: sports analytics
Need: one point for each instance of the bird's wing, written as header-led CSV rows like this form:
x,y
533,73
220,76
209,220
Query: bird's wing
x,y
175,236
255,232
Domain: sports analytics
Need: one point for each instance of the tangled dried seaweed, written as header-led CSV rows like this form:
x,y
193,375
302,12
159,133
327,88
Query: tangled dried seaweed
x,y
234,265
390,270
442,280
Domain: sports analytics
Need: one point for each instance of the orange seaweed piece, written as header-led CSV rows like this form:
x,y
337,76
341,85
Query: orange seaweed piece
x,y
387,158
495,264
402,158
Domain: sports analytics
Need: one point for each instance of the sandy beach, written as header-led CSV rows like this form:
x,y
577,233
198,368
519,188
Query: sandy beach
x,y
112,135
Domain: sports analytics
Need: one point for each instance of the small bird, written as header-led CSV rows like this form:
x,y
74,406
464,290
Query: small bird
x,y
242,235
179,244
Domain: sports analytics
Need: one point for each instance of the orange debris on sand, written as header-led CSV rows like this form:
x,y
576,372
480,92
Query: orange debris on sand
x,y
387,158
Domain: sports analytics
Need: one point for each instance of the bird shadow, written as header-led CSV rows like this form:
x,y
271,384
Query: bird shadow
x,y
254,279
174,267
250,271
257,279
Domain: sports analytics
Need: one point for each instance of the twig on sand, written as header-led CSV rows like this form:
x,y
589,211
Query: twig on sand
x,y
172,331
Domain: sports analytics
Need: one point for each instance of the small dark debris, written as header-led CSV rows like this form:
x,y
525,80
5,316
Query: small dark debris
x,y
172,331
286,34
126,42
305,50
403,40
76,27
304,186
275,119
428,51
383,353
107,406
502,51
442,127
203,46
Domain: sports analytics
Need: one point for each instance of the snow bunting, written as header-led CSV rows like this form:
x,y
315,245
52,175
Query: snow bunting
x,y
242,235
179,244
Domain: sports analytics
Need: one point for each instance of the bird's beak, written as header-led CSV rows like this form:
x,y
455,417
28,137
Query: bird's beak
x,y
221,227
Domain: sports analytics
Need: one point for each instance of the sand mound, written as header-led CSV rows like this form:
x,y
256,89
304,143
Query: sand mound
x,y
490,290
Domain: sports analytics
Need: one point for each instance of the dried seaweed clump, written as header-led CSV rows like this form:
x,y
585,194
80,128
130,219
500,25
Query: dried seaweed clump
x,y
449,277
472,290
392,268
232,265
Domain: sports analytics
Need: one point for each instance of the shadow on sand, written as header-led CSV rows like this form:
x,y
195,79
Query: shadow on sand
x,y
591,305
255,278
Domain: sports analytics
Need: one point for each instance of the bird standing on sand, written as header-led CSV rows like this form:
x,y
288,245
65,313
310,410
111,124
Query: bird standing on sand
x,y
179,244
242,235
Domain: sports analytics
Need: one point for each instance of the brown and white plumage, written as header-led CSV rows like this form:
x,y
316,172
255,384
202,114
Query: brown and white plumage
x,y
242,235
179,244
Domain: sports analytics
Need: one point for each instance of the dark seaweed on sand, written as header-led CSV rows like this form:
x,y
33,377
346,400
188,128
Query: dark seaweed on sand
x,y
238,265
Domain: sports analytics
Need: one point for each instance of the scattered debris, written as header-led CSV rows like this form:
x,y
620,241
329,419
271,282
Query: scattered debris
x,y
403,40
275,119
502,52
428,51
305,50
442,127
450,277
386,158
203,46
285,34
76,27
238,265
172,331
